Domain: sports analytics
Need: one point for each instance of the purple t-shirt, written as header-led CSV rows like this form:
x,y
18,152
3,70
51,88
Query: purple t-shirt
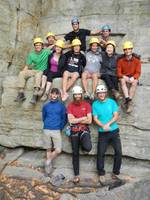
x,y
54,65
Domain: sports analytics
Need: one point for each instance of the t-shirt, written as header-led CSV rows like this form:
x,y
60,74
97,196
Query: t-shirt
x,y
104,111
93,62
74,62
54,65
38,61
79,110
81,35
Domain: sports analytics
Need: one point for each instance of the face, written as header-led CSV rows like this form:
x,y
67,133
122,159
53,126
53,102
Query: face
x,y
128,52
102,96
58,49
75,27
109,49
105,33
76,49
94,47
38,47
53,96
51,40
77,97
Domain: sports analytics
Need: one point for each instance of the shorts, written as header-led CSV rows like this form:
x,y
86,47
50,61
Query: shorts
x,y
53,139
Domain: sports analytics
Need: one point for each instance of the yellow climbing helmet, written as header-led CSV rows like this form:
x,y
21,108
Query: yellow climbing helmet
x,y
50,34
94,40
112,42
75,42
127,45
38,40
60,43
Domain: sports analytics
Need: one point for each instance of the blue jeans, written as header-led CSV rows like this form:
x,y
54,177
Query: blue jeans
x,y
104,139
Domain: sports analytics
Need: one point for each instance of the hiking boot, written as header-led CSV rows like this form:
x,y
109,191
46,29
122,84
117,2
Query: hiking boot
x,y
20,97
102,179
40,92
48,167
86,96
129,107
44,97
34,99
76,179
115,176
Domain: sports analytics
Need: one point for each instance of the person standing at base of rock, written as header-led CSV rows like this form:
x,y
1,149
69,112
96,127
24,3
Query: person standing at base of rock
x,y
36,63
54,116
128,71
79,117
109,69
78,33
105,114
92,68
74,63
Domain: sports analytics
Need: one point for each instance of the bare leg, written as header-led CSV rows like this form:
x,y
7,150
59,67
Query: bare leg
x,y
85,81
72,80
132,89
48,86
95,81
124,87
44,79
65,81
51,155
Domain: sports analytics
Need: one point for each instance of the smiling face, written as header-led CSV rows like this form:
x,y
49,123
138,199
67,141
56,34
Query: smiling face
x,y
105,33
110,49
128,52
75,26
53,96
38,46
102,96
94,47
51,40
76,48
77,97
58,49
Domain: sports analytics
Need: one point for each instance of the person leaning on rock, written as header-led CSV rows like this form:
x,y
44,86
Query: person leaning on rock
x,y
128,71
81,34
105,114
105,36
36,63
54,117
79,116
51,39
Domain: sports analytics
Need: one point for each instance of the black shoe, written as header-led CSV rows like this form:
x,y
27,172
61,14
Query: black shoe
x,y
34,99
20,97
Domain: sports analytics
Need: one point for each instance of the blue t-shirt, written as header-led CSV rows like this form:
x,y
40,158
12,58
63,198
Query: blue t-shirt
x,y
104,111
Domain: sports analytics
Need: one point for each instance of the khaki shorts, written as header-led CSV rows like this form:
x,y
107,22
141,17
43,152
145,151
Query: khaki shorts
x,y
53,136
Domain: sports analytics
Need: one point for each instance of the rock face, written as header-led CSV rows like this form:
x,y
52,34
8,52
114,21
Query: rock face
x,y
21,21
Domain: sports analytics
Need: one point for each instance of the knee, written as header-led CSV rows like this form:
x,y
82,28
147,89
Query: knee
x,y
58,150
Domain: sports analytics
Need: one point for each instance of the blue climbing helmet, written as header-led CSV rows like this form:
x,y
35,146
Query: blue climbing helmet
x,y
106,27
74,20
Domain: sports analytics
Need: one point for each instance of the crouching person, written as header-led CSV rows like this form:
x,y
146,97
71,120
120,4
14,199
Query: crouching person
x,y
54,119
36,63
79,116
105,112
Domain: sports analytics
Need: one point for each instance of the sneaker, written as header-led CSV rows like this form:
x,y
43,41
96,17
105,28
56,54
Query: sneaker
x,y
86,95
102,179
20,97
92,97
76,179
48,167
115,176
44,97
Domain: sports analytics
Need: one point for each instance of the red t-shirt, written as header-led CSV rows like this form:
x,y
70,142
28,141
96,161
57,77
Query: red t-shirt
x,y
79,110
129,67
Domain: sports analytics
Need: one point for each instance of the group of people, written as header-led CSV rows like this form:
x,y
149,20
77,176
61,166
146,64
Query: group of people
x,y
100,61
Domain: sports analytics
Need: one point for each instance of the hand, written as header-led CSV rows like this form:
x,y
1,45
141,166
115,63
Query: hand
x,y
106,127
126,78
131,79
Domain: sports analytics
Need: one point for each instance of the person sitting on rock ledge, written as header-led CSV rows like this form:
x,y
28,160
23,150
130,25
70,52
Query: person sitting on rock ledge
x,y
36,63
105,114
79,116
128,71
54,117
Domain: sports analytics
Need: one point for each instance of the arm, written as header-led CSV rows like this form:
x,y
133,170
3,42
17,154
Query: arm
x,y
43,113
88,119
74,120
138,70
97,32
63,117
119,70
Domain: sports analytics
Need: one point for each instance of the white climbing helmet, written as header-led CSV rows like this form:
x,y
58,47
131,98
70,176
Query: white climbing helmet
x,y
77,90
101,88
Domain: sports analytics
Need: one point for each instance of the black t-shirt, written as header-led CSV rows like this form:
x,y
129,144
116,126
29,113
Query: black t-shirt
x,y
81,35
